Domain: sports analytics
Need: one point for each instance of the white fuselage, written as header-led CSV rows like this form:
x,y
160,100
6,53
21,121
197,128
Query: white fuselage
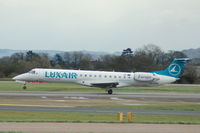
x,y
89,78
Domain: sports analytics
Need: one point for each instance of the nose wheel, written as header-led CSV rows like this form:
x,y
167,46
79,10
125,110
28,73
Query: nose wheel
x,y
110,91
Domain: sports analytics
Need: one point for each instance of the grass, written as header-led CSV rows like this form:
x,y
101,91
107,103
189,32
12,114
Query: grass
x,y
163,89
6,79
13,86
159,119
9,132
95,118
55,117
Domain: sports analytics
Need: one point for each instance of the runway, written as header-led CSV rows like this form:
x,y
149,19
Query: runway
x,y
65,102
126,96
35,127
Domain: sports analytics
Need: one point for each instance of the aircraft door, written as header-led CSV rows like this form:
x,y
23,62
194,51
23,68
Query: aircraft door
x,y
40,76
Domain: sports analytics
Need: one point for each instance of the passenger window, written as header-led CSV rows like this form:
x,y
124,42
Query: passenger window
x,y
110,76
90,75
105,76
85,75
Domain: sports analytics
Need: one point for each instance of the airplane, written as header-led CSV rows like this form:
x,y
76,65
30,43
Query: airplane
x,y
105,79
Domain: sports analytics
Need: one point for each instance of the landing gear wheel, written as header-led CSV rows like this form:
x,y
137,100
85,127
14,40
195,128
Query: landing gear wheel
x,y
24,87
110,91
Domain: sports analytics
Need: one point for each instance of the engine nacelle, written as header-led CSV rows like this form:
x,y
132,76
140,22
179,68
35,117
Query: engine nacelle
x,y
143,76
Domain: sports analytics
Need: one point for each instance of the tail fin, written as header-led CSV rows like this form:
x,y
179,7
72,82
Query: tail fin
x,y
175,68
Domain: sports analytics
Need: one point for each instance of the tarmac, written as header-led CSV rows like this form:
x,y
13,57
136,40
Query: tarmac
x,y
132,96
62,101
81,97
97,128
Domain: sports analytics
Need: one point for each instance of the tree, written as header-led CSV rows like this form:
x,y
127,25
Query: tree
x,y
148,58
175,54
127,52
189,75
57,61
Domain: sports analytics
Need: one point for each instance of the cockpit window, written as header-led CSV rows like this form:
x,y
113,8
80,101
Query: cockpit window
x,y
32,72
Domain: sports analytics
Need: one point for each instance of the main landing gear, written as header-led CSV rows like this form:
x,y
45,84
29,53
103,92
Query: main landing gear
x,y
110,91
24,87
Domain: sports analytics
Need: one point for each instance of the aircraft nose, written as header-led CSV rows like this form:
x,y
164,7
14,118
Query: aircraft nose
x,y
18,77
15,78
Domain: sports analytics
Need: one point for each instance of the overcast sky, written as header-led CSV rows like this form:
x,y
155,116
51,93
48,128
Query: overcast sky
x,y
99,25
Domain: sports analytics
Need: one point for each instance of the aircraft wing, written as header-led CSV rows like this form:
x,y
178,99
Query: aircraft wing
x,y
105,85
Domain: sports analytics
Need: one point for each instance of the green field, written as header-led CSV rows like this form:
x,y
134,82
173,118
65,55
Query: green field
x,y
95,118
13,86
10,132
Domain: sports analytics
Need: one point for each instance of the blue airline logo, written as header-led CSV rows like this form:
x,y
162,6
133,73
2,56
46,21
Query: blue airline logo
x,y
174,69
69,75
